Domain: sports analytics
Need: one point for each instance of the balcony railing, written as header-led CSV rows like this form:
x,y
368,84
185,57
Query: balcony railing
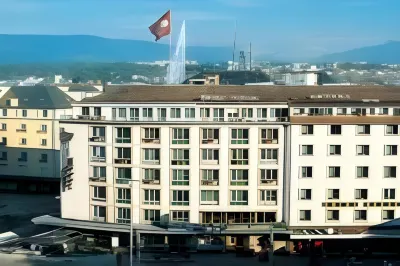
x,y
269,141
210,141
151,162
153,141
179,162
269,182
97,139
240,162
209,182
123,161
41,131
21,129
151,202
90,117
239,182
216,202
268,161
123,221
97,159
99,219
97,179
124,201
66,117
268,203
151,181
180,203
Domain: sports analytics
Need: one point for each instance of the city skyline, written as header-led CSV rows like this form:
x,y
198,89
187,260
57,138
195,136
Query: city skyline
x,y
274,27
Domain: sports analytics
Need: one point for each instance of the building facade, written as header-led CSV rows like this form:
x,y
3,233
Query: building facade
x,y
29,138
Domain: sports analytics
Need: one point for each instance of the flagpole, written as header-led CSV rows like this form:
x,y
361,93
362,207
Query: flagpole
x,y
170,46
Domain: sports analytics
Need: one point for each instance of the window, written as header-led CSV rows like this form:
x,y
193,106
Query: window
x,y
390,171
123,135
333,194
307,130
361,194
279,112
372,111
358,111
269,154
239,177
151,197
180,157
392,130
321,111
43,128
180,136
396,111
390,149
152,215
362,149
239,197
180,216
269,176
98,133
123,153
85,111
389,193
24,113
306,172
97,111
307,149
4,112
134,114
239,156
190,113
3,156
239,136
147,113
23,127
387,214
124,215
23,141
332,215
305,194
334,171
180,177
362,171
247,112
124,195
209,177
122,112
124,175
298,111
43,142
336,130
175,112
210,135
180,198
363,129
99,171
341,111
209,197
43,158
269,136
268,197
98,154
151,133
99,212
205,112
99,193
151,156
335,149
383,111
262,113
23,157
360,215
3,141
152,175
162,114
209,155
4,127
305,215
219,114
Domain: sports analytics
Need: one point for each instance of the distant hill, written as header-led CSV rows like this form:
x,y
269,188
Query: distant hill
x,y
388,52
18,49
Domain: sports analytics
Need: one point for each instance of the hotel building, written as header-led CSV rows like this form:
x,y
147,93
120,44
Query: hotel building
x,y
29,138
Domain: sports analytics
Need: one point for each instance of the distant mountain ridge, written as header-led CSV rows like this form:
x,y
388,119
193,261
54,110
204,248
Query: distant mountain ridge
x,y
18,49
388,53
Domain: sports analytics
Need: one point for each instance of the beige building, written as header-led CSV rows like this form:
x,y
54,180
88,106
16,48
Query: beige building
x,y
29,137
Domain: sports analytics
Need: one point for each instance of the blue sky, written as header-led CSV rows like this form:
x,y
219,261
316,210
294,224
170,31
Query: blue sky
x,y
283,27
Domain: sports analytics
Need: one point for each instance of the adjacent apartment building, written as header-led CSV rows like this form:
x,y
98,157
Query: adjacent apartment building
x,y
311,157
29,138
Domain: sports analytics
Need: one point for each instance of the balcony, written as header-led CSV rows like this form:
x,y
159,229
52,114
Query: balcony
x,y
209,182
41,131
122,140
239,162
97,179
269,141
148,119
268,161
99,219
66,117
151,141
269,182
210,141
122,161
97,139
21,130
180,203
151,202
239,182
151,181
152,162
209,202
179,162
89,117
268,203
123,201
98,159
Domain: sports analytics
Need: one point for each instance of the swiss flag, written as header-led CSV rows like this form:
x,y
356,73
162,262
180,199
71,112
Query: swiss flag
x,y
162,27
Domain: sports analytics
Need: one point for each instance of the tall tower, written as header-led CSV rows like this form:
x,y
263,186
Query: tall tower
x,y
242,61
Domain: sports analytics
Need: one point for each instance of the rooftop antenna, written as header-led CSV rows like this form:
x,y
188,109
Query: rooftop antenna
x,y
234,47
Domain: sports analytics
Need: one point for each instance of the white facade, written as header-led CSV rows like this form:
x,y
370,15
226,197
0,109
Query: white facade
x,y
198,198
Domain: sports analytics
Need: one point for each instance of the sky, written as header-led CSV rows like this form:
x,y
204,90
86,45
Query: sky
x,y
274,27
